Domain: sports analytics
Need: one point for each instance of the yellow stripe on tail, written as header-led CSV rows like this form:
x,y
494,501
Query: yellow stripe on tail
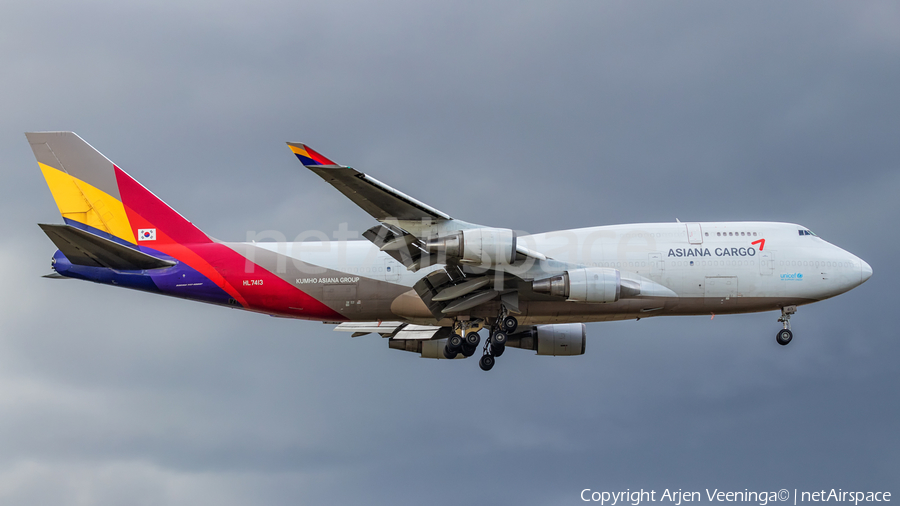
x,y
81,202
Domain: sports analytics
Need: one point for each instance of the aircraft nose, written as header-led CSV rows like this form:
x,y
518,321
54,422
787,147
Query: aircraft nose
x,y
865,271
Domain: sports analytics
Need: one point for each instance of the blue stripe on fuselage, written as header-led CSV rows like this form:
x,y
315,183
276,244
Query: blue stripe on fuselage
x,y
179,280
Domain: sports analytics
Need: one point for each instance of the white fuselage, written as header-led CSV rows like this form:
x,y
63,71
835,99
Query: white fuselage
x,y
715,267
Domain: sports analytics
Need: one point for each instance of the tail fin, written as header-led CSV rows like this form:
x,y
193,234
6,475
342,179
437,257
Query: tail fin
x,y
95,195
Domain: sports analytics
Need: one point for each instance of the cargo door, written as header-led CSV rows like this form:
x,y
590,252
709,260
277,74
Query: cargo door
x,y
766,262
721,288
341,298
392,269
657,266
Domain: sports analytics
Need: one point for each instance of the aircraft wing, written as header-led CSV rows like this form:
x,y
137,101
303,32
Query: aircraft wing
x,y
406,225
373,196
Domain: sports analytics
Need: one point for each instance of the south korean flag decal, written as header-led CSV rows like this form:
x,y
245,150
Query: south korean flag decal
x,y
146,234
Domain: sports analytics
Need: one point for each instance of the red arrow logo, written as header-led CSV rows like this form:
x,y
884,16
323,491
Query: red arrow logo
x,y
761,242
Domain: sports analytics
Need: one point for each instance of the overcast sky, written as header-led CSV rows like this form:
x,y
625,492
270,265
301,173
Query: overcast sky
x,y
528,115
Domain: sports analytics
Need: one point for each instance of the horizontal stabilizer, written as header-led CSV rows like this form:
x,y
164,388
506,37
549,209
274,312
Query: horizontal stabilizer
x,y
83,248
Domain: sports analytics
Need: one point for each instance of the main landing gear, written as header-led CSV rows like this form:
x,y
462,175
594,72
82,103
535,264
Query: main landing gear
x,y
496,342
785,335
467,345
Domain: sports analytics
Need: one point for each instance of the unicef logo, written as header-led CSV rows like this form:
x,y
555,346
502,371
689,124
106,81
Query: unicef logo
x,y
799,276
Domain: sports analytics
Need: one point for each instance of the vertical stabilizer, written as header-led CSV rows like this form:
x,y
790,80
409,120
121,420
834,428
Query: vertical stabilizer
x,y
95,195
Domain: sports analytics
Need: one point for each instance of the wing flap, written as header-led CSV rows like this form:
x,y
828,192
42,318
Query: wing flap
x,y
422,332
470,301
395,330
465,288
363,328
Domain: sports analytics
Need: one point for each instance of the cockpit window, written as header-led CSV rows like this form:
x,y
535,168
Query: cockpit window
x,y
807,232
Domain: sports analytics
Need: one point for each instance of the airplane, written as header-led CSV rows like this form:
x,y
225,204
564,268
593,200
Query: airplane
x,y
427,282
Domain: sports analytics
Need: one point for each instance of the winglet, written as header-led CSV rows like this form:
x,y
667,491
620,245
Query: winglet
x,y
307,156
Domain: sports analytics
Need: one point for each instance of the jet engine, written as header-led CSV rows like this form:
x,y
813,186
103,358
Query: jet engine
x,y
591,284
484,246
427,348
559,339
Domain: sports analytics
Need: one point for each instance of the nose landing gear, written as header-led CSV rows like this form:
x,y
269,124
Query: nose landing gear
x,y
785,335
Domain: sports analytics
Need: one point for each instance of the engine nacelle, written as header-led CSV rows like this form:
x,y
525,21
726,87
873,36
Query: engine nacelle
x,y
427,348
483,246
591,284
559,339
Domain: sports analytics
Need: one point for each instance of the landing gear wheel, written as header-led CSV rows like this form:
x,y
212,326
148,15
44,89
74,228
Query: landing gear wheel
x,y
496,351
449,354
473,339
486,362
498,339
454,343
509,324
784,336
467,350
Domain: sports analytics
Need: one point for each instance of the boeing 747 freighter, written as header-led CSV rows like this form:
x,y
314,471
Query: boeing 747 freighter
x,y
427,282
